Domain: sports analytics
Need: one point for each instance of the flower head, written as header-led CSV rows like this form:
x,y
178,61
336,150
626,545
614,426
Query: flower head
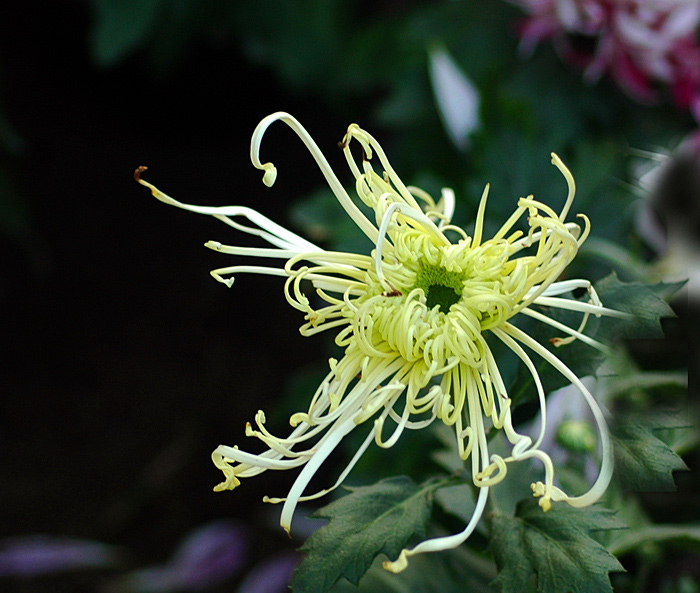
x,y
414,316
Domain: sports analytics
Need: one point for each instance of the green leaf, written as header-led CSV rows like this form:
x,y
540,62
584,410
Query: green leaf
x,y
556,546
643,462
457,500
451,571
371,520
644,303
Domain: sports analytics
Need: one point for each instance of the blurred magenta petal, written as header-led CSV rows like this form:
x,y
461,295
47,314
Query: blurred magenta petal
x,y
272,575
33,555
683,21
632,80
695,106
536,29
207,557
641,44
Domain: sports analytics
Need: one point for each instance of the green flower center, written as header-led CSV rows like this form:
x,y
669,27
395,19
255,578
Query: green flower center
x,y
441,287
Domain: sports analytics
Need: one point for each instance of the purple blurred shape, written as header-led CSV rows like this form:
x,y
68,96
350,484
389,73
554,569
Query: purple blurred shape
x,y
33,555
206,557
271,575
210,554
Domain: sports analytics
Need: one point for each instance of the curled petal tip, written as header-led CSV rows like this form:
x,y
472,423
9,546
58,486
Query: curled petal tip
x,y
539,491
270,174
230,479
227,281
229,483
137,173
398,565
215,245
297,419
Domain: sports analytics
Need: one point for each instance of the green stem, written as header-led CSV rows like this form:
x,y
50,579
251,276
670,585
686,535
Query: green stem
x,y
657,533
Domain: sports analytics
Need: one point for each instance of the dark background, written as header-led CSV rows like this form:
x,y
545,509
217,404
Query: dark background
x,y
126,363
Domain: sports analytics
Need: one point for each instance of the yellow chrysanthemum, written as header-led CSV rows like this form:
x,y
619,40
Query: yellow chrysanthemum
x,y
412,316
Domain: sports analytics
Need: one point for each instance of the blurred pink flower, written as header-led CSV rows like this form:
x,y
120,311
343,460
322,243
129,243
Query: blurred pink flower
x,y
642,44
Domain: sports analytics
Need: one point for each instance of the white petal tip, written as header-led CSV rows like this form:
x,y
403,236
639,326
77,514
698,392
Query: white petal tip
x,y
270,174
398,565
227,281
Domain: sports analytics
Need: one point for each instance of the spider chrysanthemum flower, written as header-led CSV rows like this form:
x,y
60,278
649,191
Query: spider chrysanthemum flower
x,y
413,317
